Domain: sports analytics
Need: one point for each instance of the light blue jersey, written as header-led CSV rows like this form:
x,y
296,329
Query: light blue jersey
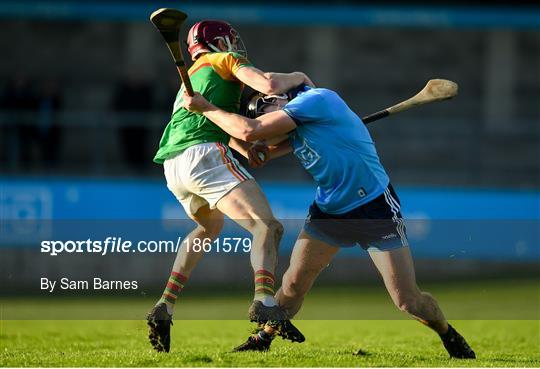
x,y
335,147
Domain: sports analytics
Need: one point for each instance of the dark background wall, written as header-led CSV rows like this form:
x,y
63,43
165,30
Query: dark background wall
x,y
488,136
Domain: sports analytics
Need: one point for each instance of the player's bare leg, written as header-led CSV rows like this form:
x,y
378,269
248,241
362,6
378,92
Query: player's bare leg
x,y
309,257
209,225
247,205
397,270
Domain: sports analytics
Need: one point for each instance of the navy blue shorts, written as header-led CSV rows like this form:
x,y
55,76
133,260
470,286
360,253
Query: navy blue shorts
x,y
377,225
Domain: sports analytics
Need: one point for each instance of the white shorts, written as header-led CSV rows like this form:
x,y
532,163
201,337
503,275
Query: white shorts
x,y
202,174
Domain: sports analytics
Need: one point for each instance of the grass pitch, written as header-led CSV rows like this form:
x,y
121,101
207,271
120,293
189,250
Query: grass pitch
x,y
208,343
330,343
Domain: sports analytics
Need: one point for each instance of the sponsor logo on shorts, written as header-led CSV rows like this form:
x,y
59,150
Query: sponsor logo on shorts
x,y
389,236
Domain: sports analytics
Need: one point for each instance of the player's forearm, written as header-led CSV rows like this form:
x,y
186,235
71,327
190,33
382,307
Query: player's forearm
x,y
268,125
274,141
282,82
235,125
281,149
271,83
240,146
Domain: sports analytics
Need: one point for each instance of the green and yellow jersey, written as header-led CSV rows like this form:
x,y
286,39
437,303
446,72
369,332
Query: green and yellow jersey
x,y
213,76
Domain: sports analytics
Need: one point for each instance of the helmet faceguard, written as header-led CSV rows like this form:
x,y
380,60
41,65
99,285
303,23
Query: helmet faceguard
x,y
258,102
205,36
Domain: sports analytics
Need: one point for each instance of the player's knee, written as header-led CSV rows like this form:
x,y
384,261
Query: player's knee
x,y
276,228
427,296
267,227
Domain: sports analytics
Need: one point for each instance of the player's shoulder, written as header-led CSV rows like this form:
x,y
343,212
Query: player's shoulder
x,y
313,94
226,57
326,97
308,105
321,91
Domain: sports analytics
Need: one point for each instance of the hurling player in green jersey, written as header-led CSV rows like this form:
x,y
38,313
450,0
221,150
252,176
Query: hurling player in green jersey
x,y
209,182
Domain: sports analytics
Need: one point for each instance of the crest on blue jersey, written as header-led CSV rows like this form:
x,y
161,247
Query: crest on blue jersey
x,y
307,156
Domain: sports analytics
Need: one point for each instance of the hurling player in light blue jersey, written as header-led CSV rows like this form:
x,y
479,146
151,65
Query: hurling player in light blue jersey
x,y
355,203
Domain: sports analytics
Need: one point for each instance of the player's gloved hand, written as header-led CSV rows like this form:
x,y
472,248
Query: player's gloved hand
x,y
196,103
258,154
